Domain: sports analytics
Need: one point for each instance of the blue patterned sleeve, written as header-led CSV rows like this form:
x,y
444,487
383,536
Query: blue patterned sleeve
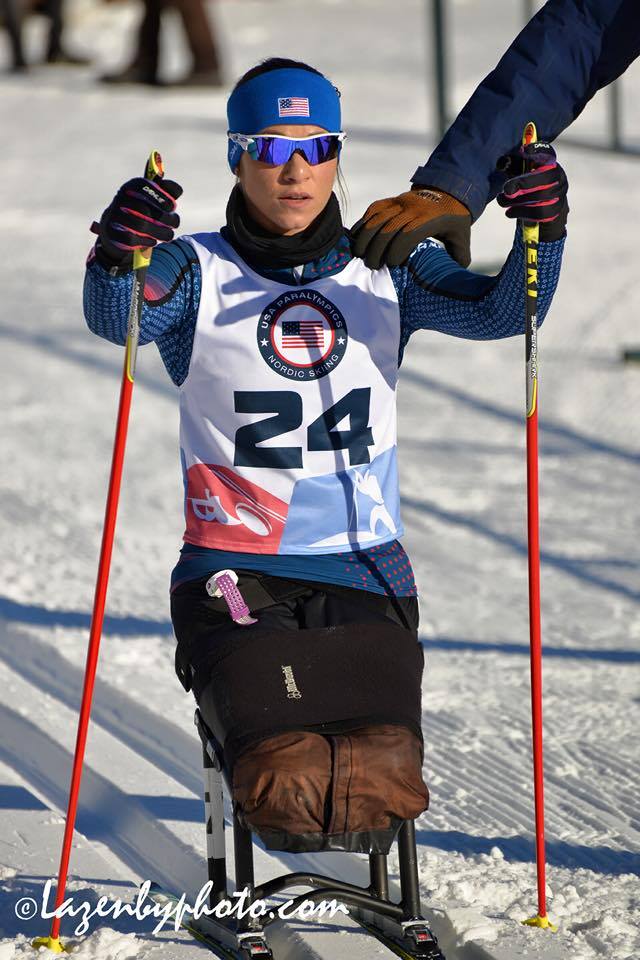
x,y
436,293
171,300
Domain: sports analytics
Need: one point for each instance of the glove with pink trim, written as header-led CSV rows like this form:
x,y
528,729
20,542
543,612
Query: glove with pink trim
x,y
539,193
141,214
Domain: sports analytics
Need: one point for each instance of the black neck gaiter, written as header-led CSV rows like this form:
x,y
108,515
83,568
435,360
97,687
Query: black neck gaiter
x,y
262,248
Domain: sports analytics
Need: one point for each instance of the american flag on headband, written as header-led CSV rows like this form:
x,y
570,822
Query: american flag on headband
x,y
293,106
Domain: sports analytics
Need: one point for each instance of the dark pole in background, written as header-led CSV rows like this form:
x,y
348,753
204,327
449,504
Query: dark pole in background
x,y
615,140
439,63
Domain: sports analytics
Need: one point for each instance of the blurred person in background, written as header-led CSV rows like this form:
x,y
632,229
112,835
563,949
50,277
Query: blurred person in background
x,y
205,68
56,53
286,350
563,56
10,19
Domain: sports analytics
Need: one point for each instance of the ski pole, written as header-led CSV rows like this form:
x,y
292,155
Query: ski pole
x,y
141,259
530,233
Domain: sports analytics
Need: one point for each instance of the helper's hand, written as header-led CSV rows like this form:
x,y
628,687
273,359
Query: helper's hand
x,y
391,229
141,214
539,194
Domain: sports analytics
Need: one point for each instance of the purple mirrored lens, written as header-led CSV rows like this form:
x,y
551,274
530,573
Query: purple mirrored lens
x,y
276,151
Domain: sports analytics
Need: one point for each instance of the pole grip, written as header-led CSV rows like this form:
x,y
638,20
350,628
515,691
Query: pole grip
x,y
530,234
154,170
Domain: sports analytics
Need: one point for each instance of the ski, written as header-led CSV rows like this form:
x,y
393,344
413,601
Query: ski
x,y
223,942
413,940
410,941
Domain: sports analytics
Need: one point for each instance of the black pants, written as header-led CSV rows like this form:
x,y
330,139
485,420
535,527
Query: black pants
x,y
356,654
203,627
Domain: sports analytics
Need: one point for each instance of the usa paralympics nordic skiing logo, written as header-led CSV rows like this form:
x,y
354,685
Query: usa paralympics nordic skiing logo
x,y
302,335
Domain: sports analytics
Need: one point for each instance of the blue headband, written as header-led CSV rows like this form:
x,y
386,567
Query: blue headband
x,y
289,95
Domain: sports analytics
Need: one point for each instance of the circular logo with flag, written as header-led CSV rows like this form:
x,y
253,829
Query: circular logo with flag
x,y
302,335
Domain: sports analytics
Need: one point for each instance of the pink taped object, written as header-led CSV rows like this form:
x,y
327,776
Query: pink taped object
x,y
225,583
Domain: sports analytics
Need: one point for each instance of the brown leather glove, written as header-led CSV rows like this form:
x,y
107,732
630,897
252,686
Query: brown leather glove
x,y
392,228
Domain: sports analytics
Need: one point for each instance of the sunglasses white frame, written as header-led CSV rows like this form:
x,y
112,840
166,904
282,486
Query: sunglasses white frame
x,y
245,140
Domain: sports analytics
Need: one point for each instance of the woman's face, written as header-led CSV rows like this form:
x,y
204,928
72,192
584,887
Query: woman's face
x,y
287,198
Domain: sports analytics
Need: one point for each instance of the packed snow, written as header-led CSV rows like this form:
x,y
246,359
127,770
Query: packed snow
x,y
68,144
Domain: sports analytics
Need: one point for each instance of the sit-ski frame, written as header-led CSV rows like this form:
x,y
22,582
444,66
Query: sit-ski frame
x,y
400,925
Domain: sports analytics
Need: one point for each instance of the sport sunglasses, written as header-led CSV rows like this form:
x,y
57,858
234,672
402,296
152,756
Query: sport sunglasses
x,y
276,150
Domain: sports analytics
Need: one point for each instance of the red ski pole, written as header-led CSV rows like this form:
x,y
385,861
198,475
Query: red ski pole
x,y
530,236
141,260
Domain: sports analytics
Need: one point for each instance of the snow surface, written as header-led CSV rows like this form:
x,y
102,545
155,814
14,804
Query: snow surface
x,y
68,144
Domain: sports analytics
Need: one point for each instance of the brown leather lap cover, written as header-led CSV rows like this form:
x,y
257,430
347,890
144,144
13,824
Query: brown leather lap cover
x,y
282,782
302,783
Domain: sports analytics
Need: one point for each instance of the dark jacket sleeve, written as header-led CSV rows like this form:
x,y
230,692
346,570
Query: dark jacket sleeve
x,y
564,55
